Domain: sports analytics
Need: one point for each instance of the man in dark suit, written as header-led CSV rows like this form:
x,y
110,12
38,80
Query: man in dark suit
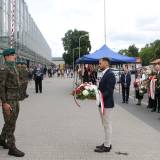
x,y
125,83
106,87
38,77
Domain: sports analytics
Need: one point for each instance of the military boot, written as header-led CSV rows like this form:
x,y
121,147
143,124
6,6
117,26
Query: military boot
x,y
3,144
15,152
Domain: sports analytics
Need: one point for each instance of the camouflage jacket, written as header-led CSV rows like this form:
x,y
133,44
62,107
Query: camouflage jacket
x,y
23,75
9,83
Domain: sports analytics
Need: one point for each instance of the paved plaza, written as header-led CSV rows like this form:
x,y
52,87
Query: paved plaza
x,y
52,127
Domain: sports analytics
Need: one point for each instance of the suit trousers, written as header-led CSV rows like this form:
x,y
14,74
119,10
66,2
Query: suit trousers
x,y
38,84
107,124
125,93
157,104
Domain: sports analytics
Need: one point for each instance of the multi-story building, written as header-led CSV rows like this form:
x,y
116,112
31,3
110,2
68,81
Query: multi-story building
x,y
18,30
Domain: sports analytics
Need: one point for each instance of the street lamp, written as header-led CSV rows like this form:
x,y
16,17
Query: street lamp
x,y
86,35
74,61
73,58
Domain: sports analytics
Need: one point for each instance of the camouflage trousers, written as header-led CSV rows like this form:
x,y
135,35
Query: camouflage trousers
x,y
23,90
10,124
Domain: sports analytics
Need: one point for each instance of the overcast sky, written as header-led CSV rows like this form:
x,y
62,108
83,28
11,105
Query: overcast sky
x,y
128,21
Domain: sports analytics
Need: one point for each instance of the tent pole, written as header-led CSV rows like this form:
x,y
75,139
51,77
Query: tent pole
x,y
119,80
135,79
105,34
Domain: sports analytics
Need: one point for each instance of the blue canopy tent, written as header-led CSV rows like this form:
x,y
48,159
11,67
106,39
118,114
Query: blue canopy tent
x,y
104,51
84,60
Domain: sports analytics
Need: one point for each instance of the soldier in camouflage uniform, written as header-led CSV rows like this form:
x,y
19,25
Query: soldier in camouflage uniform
x,y
19,69
23,77
9,95
25,74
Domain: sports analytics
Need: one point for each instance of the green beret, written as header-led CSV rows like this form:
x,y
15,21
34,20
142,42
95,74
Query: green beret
x,y
24,62
9,51
18,62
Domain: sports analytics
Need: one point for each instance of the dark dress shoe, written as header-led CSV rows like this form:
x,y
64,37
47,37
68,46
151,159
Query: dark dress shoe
x,y
103,149
101,146
26,96
15,152
3,144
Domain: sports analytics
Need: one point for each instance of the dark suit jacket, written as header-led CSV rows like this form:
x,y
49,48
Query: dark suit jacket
x,y
106,86
128,79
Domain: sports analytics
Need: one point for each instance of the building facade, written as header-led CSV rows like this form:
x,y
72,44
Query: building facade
x,y
18,30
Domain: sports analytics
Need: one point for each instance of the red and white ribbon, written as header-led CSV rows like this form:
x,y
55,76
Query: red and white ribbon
x,y
102,102
153,87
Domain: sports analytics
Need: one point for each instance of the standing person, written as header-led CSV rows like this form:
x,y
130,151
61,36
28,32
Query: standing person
x,y
72,73
25,78
58,73
38,77
9,95
19,69
45,70
152,103
85,76
30,74
62,73
106,87
157,90
137,85
67,72
125,83
49,72
92,76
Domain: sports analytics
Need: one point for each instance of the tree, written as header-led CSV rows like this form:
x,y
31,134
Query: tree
x,y
71,44
156,46
123,51
150,52
133,51
147,55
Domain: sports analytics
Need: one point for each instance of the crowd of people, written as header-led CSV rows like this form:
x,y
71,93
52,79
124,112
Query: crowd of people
x,y
145,82
148,82
52,72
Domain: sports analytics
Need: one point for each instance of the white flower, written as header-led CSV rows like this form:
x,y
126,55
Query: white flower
x,y
141,91
94,87
85,93
87,87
